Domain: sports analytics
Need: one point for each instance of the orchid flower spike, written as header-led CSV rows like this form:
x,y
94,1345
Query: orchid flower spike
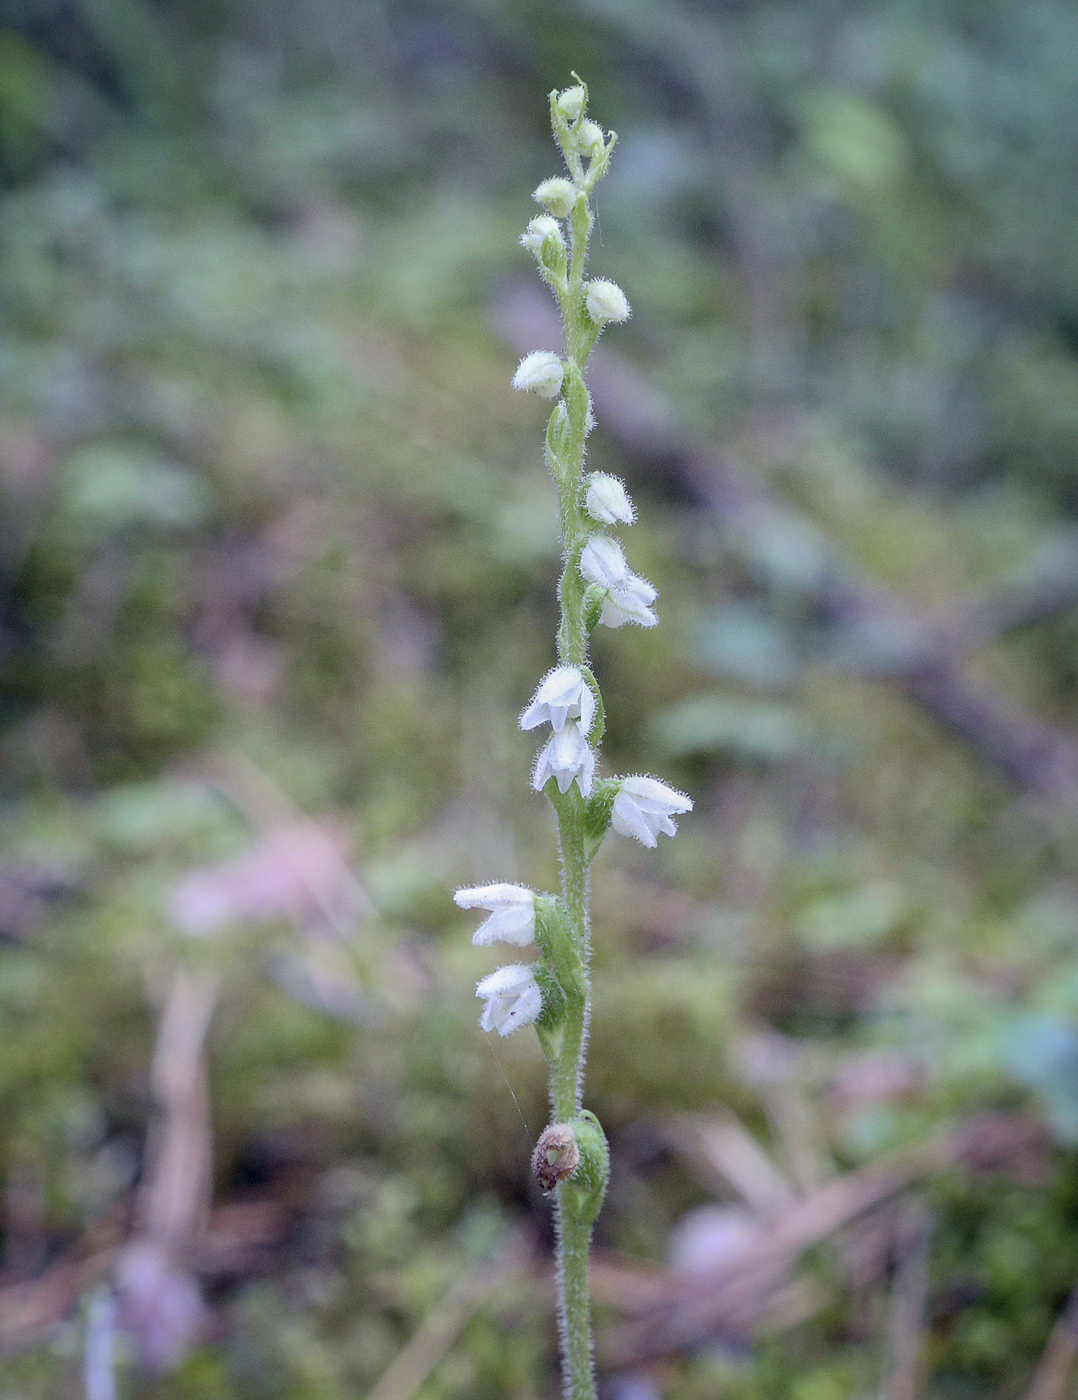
x,y
567,758
513,998
645,808
512,914
563,695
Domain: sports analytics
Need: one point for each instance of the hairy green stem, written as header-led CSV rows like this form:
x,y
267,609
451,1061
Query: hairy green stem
x,y
565,448
567,1072
574,1301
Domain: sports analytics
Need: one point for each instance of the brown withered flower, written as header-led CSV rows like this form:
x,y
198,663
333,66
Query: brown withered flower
x,y
556,1156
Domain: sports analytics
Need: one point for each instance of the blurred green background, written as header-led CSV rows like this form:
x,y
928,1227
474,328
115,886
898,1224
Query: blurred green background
x,y
278,554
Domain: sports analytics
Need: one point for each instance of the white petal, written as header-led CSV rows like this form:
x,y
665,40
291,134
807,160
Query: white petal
x,y
628,820
524,1010
641,589
513,998
515,926
565,757
586,777
622,606
541,373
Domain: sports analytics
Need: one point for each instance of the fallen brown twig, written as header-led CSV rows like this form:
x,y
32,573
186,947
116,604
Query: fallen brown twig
x,y
440,1328
736,1294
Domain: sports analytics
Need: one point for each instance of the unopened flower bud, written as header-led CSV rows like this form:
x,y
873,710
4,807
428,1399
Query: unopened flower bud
x,y
608,501
540,373
606,302
589,138
543,237
537,230
556,196
571,102
556,1156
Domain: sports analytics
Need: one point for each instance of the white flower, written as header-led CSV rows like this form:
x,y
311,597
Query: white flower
x,y
608,501
538,231
541,373
556,195
629,603
565,757
571,102
512,914
644,807
606,302
628,596
562,696
513,998
602,561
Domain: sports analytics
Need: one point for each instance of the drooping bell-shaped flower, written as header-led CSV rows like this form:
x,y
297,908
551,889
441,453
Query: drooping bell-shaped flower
x,y
566,757
562,696
512,996
645,808
512,913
